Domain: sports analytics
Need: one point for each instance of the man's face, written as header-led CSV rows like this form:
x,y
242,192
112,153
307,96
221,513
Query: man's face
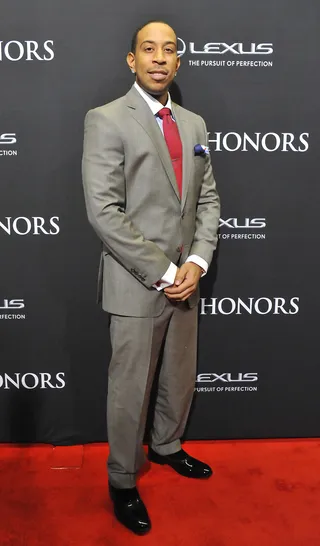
x,y
155,60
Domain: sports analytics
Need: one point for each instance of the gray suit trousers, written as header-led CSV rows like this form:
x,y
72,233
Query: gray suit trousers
x,y
136,346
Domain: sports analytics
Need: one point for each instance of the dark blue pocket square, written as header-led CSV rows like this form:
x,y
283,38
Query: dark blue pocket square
x,y
200,149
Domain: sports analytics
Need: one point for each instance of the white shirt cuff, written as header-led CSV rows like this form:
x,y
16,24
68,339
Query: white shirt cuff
x,y
168,278
198,261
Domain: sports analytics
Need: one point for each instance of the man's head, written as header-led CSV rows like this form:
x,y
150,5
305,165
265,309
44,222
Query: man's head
x,y
153,57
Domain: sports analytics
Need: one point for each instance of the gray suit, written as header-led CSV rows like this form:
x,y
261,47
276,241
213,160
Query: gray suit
x,y
133,204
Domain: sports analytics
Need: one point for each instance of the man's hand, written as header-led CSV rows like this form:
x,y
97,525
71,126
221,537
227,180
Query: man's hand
x,y
185,283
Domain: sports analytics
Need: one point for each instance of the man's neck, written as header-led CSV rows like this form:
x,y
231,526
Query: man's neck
x,y
163,98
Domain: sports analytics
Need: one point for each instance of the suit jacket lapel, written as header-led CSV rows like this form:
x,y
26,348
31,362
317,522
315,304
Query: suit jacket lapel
x,y
187,150
141,112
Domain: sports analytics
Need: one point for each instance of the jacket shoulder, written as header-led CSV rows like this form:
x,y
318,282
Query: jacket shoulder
x,y
188,115
111,109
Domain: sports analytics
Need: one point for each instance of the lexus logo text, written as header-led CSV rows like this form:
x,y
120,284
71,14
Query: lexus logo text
x,y
227,377
221,48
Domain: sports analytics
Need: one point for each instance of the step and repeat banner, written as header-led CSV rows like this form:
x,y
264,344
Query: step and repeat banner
x,y
251,69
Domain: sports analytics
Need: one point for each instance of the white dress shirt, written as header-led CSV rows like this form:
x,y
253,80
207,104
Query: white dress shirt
x,y
170,275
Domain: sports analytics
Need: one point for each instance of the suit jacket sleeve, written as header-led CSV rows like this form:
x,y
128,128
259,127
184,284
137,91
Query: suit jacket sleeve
x,y
105,196
208,212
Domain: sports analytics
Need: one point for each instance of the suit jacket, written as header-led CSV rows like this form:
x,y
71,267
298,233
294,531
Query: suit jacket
x,y
133,202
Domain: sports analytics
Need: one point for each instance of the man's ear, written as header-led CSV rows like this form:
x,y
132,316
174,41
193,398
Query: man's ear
x,y
178,63
131,62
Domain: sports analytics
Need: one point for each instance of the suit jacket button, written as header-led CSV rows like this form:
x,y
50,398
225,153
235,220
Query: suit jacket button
x,y
179,249
182,215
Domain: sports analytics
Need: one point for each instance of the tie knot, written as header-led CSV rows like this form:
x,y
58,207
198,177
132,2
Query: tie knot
x,y
164,112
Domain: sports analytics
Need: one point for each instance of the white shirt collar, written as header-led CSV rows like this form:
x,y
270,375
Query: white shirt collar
x,y
153,103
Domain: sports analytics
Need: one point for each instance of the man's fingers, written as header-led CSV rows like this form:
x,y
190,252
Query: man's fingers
x,y
179,289
180,276
183,295
185,283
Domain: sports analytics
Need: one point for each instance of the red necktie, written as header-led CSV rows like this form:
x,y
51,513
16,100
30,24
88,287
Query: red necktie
x,y
172,138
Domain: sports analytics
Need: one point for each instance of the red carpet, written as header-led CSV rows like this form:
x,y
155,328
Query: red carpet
x,y
263,493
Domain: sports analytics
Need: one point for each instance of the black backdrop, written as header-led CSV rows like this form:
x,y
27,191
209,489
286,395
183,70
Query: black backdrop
x,y
250,69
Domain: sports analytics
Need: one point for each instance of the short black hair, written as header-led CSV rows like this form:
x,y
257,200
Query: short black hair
x,y
136,32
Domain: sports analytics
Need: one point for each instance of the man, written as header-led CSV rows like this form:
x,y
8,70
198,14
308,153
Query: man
x,y
151,198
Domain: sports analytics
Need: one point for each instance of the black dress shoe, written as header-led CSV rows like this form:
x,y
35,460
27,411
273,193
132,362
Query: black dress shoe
x,y
182,463
130,510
